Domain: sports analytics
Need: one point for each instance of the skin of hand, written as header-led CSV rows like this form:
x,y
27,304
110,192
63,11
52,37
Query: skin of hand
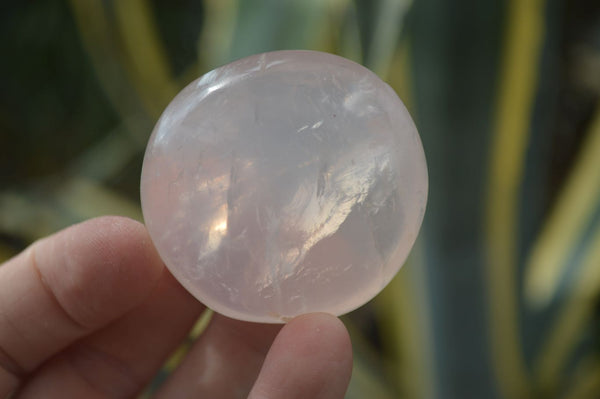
x,y
91,312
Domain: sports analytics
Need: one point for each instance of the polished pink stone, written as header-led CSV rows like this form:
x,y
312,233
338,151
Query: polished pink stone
x,y
284,183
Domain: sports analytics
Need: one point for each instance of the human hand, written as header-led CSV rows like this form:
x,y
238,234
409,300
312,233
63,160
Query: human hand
x,y
91,312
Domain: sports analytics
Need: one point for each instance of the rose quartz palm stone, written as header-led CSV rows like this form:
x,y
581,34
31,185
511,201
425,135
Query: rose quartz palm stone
x,y
284,183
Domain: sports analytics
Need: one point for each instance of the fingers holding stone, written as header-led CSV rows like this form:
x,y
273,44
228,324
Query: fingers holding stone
x,y
68,285
310,357
121,359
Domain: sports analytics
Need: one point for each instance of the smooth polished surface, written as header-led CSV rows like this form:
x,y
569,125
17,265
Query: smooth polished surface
x,y
284,183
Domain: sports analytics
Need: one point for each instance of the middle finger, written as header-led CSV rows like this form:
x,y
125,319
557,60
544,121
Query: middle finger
x,y
223,363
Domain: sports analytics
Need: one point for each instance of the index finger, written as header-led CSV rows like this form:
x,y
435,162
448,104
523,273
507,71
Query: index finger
x,y
68,285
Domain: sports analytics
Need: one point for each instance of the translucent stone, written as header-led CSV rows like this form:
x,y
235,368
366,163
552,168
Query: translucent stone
x,y
284,183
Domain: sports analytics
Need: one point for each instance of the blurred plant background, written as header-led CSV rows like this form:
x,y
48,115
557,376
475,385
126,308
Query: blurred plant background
x,y
500,296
